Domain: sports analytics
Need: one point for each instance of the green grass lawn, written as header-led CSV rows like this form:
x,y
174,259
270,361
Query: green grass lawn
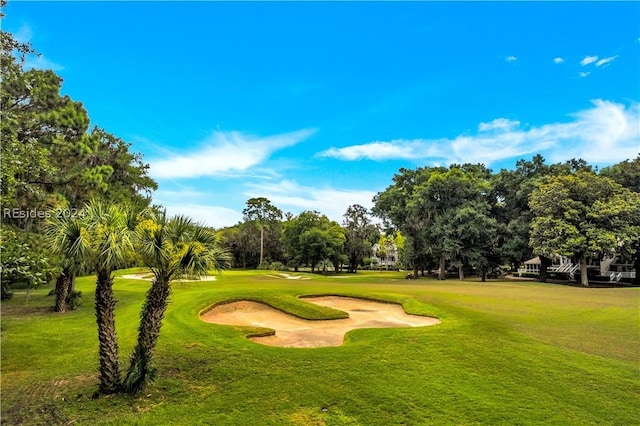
x,y
505,353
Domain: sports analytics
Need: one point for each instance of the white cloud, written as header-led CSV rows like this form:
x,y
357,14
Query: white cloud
x,y
214,216
182,192
584,74
24,34
40,62
588,60
224,152
606,132
291,196
606,61
558,60
511,58
375,151
501,124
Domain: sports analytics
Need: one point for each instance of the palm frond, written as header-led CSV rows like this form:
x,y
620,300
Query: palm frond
x,y
108,225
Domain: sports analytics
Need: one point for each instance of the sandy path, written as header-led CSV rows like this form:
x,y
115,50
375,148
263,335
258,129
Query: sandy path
x,y
294,332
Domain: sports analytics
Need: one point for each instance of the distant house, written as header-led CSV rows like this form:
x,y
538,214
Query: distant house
x,y
559,265
613,268
608,267
385,257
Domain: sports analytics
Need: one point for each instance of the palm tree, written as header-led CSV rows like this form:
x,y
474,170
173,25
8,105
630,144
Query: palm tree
x,y
108,226
170,248
68,240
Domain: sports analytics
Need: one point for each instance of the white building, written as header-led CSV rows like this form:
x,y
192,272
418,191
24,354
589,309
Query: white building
x,y
385,257
608,267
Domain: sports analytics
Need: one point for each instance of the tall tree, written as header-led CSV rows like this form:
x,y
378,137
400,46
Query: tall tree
x,y
447,200
582,214
109,230
311,237
399,208
511,191
170,248
261,210
242,241
627,174
24,105
67,236
360,233
48,158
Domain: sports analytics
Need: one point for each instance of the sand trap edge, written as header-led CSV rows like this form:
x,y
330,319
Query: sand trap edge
x,y
248,299
370,299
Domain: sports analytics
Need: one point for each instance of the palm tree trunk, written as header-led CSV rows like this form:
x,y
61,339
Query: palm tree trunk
x,y
107,338
62,289
72,284
140,371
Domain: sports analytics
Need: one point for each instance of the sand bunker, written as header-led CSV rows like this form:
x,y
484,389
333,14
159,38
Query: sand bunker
x,y
289,277
294,332
149,276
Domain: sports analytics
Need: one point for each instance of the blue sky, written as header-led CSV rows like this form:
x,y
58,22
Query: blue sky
x,y
315,105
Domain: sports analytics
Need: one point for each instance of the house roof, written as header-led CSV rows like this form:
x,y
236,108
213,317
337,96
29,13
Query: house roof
x,y
534,261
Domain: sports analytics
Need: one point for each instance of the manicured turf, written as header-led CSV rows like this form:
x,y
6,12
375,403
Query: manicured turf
x,y
505,353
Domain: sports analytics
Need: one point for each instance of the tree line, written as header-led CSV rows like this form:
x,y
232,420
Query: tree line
x,y
462,217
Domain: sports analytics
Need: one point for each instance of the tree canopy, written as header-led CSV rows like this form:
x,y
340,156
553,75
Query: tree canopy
x,y
583,214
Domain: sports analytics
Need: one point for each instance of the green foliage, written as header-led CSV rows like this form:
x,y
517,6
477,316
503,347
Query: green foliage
x,y
257,239
583,214
74,300
626,173
265,214
242,241
360,235
311,237
24,260
273,266
444,213
142,372
51,165
170,247
398,206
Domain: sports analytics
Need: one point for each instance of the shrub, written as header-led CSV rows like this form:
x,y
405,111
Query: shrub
x,y
278,266
265,266
74,300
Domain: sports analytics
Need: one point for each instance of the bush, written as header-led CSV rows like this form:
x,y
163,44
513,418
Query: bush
x,y
272,266
278,266
74,300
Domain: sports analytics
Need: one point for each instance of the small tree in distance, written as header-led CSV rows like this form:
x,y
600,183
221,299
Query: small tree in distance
x,y
261,210
360,234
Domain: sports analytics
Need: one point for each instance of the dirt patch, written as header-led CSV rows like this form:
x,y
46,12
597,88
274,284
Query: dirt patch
x,y
148,277
294,332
